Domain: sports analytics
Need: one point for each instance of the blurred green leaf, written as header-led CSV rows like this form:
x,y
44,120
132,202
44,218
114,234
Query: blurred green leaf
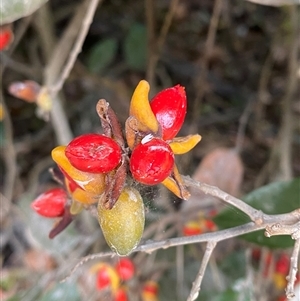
x,y
63,292
234,265
15,298
102,54
275,198
135,47
228,295
11,10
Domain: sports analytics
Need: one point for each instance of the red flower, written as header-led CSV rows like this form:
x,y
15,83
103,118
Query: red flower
x,y
50,203
125,268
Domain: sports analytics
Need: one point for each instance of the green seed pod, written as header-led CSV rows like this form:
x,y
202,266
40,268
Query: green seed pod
x,y
123,225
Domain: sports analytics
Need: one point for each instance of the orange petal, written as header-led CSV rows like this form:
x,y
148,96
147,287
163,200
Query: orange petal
x,y
27,90
175,184
93,183
84,197
140,108
182,145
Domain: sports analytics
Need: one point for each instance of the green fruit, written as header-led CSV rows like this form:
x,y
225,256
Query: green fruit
x,y
123,225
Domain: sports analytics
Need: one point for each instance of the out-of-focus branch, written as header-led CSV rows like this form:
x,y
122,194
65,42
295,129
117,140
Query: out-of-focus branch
x,y
209,44
76,49
286,130
9,156
275,2
213,237
57,70
254,214
155,47
197,283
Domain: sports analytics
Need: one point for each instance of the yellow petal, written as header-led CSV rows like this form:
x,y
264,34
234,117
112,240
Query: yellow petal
x,y
76,207
94,183
79,197
279,280
175,184
182,145
1,112
140,108
112,274
44,100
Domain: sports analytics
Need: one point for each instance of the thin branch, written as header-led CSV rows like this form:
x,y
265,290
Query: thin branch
x,y
45,28
197,283
293,270
9,154
279,229
286,131
275,2
254,214
263,93
151,39
55,73
209,44
86,259
179,270
156,50
242,126
63,46
213,237
77,46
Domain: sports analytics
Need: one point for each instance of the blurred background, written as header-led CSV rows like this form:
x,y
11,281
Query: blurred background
x,y
239,64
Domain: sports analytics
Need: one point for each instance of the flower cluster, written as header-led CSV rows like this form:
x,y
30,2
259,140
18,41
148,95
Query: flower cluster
x,y
110,277
202,224
96,167
115,278
276,266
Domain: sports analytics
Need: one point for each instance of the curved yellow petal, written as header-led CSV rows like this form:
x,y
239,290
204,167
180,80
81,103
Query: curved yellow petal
x,y
94,183
175,184
182,145
140,108
112,274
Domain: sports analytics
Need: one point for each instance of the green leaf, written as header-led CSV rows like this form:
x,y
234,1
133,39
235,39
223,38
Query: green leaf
x,y
102,54
228,295
63,291
11,10
234,265
16,297
275,198
135,47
